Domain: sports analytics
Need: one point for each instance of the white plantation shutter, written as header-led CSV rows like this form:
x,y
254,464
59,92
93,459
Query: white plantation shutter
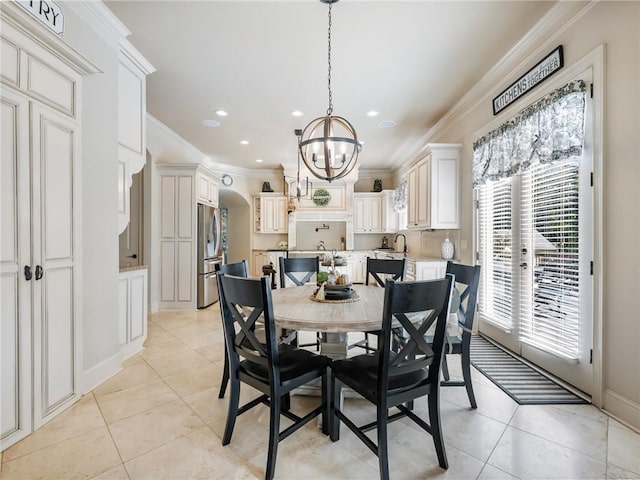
x,y
495,253
550,286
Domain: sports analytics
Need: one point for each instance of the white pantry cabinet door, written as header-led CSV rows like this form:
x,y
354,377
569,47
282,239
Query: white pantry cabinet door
x,y
15,289
54,224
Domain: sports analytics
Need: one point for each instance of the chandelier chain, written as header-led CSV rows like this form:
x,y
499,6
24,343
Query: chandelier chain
x,y
330,109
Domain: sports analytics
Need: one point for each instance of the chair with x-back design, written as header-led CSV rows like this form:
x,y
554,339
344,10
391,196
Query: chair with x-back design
x,y
271,368
305,268
394,377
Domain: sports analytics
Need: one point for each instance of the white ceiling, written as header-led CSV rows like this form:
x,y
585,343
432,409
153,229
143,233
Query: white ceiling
x,y
260,60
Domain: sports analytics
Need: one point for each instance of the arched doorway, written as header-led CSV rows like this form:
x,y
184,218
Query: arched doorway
x,y
238,223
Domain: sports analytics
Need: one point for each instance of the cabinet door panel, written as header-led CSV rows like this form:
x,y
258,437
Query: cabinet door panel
x,y
55,208
186,272
56,177
168,269
130,106
15,291
138,292
56,334
123,311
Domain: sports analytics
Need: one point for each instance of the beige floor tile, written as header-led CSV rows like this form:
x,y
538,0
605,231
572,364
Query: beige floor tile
x,y
156,335
309,454
159,350
213,351
125,403
527,456
116,473
82,456
469,431
135,374
207,405
623,447
412,456
176,361
561,426
82,417
196,455
195,379
614,472
170,320
197,335
153,428
489,472
492,402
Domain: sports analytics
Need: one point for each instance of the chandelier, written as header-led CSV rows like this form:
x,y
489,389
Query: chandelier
x,y
329,145
294,186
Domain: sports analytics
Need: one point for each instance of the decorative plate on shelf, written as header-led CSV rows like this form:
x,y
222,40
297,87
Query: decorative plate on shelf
x,y
321,197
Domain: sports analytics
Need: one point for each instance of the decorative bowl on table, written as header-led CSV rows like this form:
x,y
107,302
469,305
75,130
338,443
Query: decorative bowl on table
x,y
339,293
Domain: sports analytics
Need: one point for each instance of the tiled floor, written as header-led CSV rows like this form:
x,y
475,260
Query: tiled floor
x,y
160,417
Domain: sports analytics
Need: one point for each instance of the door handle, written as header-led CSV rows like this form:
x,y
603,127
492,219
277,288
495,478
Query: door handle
x,y
27,272
524,265
132,256
39,272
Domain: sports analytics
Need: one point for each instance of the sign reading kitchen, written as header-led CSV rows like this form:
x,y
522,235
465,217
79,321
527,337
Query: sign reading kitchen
x,y
536,75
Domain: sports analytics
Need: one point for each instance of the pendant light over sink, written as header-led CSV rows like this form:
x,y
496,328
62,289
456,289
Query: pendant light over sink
x,y
329,145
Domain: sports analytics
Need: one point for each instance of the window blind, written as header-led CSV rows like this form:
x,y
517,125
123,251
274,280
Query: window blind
x,y
550,287
495,253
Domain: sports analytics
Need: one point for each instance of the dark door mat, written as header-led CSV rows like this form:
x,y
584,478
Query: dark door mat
x,y
524,384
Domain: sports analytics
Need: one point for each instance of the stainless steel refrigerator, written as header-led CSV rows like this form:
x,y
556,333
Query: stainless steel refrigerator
x,y
209,253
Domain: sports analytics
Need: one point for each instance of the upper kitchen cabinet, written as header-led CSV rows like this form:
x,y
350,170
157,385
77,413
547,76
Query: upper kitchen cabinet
x,y
270,213
133,69
207,188
434,188
373,213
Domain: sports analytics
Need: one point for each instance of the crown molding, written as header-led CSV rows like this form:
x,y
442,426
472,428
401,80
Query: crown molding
x,y
136,57
102,20
52,43
173,149
522,55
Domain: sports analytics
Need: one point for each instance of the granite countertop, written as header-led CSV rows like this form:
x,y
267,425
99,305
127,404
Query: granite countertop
x,y
131,269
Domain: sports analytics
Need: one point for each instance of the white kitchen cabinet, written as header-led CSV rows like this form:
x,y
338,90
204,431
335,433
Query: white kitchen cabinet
x,y
133,69
132,293
374,213
430,270
434,189
207,189
367,213
40,238
270,213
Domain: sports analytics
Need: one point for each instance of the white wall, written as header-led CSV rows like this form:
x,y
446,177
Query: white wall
x,y
617,26
99,193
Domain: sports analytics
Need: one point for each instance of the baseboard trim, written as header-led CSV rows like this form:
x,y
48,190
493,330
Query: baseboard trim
x,y
130,349
622,409
101,372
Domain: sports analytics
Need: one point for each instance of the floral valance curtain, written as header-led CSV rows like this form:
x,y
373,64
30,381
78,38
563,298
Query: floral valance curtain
x,y
400,197
550,129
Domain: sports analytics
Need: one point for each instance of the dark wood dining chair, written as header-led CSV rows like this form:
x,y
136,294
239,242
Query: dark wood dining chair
x,y
273,369
393,378
395,269
467,279
239,269
300,271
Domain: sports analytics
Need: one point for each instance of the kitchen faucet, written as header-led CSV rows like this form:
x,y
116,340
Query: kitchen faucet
x,y
404,250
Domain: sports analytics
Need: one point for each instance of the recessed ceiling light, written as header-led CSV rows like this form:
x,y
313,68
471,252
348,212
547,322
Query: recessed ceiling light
x,y
221,113
258,160
387,124
372,113
211,123
244,142
297,113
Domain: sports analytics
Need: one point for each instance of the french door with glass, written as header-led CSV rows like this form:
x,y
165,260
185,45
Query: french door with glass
x,y
535,245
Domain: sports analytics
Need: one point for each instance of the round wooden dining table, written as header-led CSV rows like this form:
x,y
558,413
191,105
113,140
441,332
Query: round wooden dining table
x,y
294,310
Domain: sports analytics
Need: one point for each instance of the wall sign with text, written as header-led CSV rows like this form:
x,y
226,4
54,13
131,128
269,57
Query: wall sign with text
x,y
46,12
536,75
